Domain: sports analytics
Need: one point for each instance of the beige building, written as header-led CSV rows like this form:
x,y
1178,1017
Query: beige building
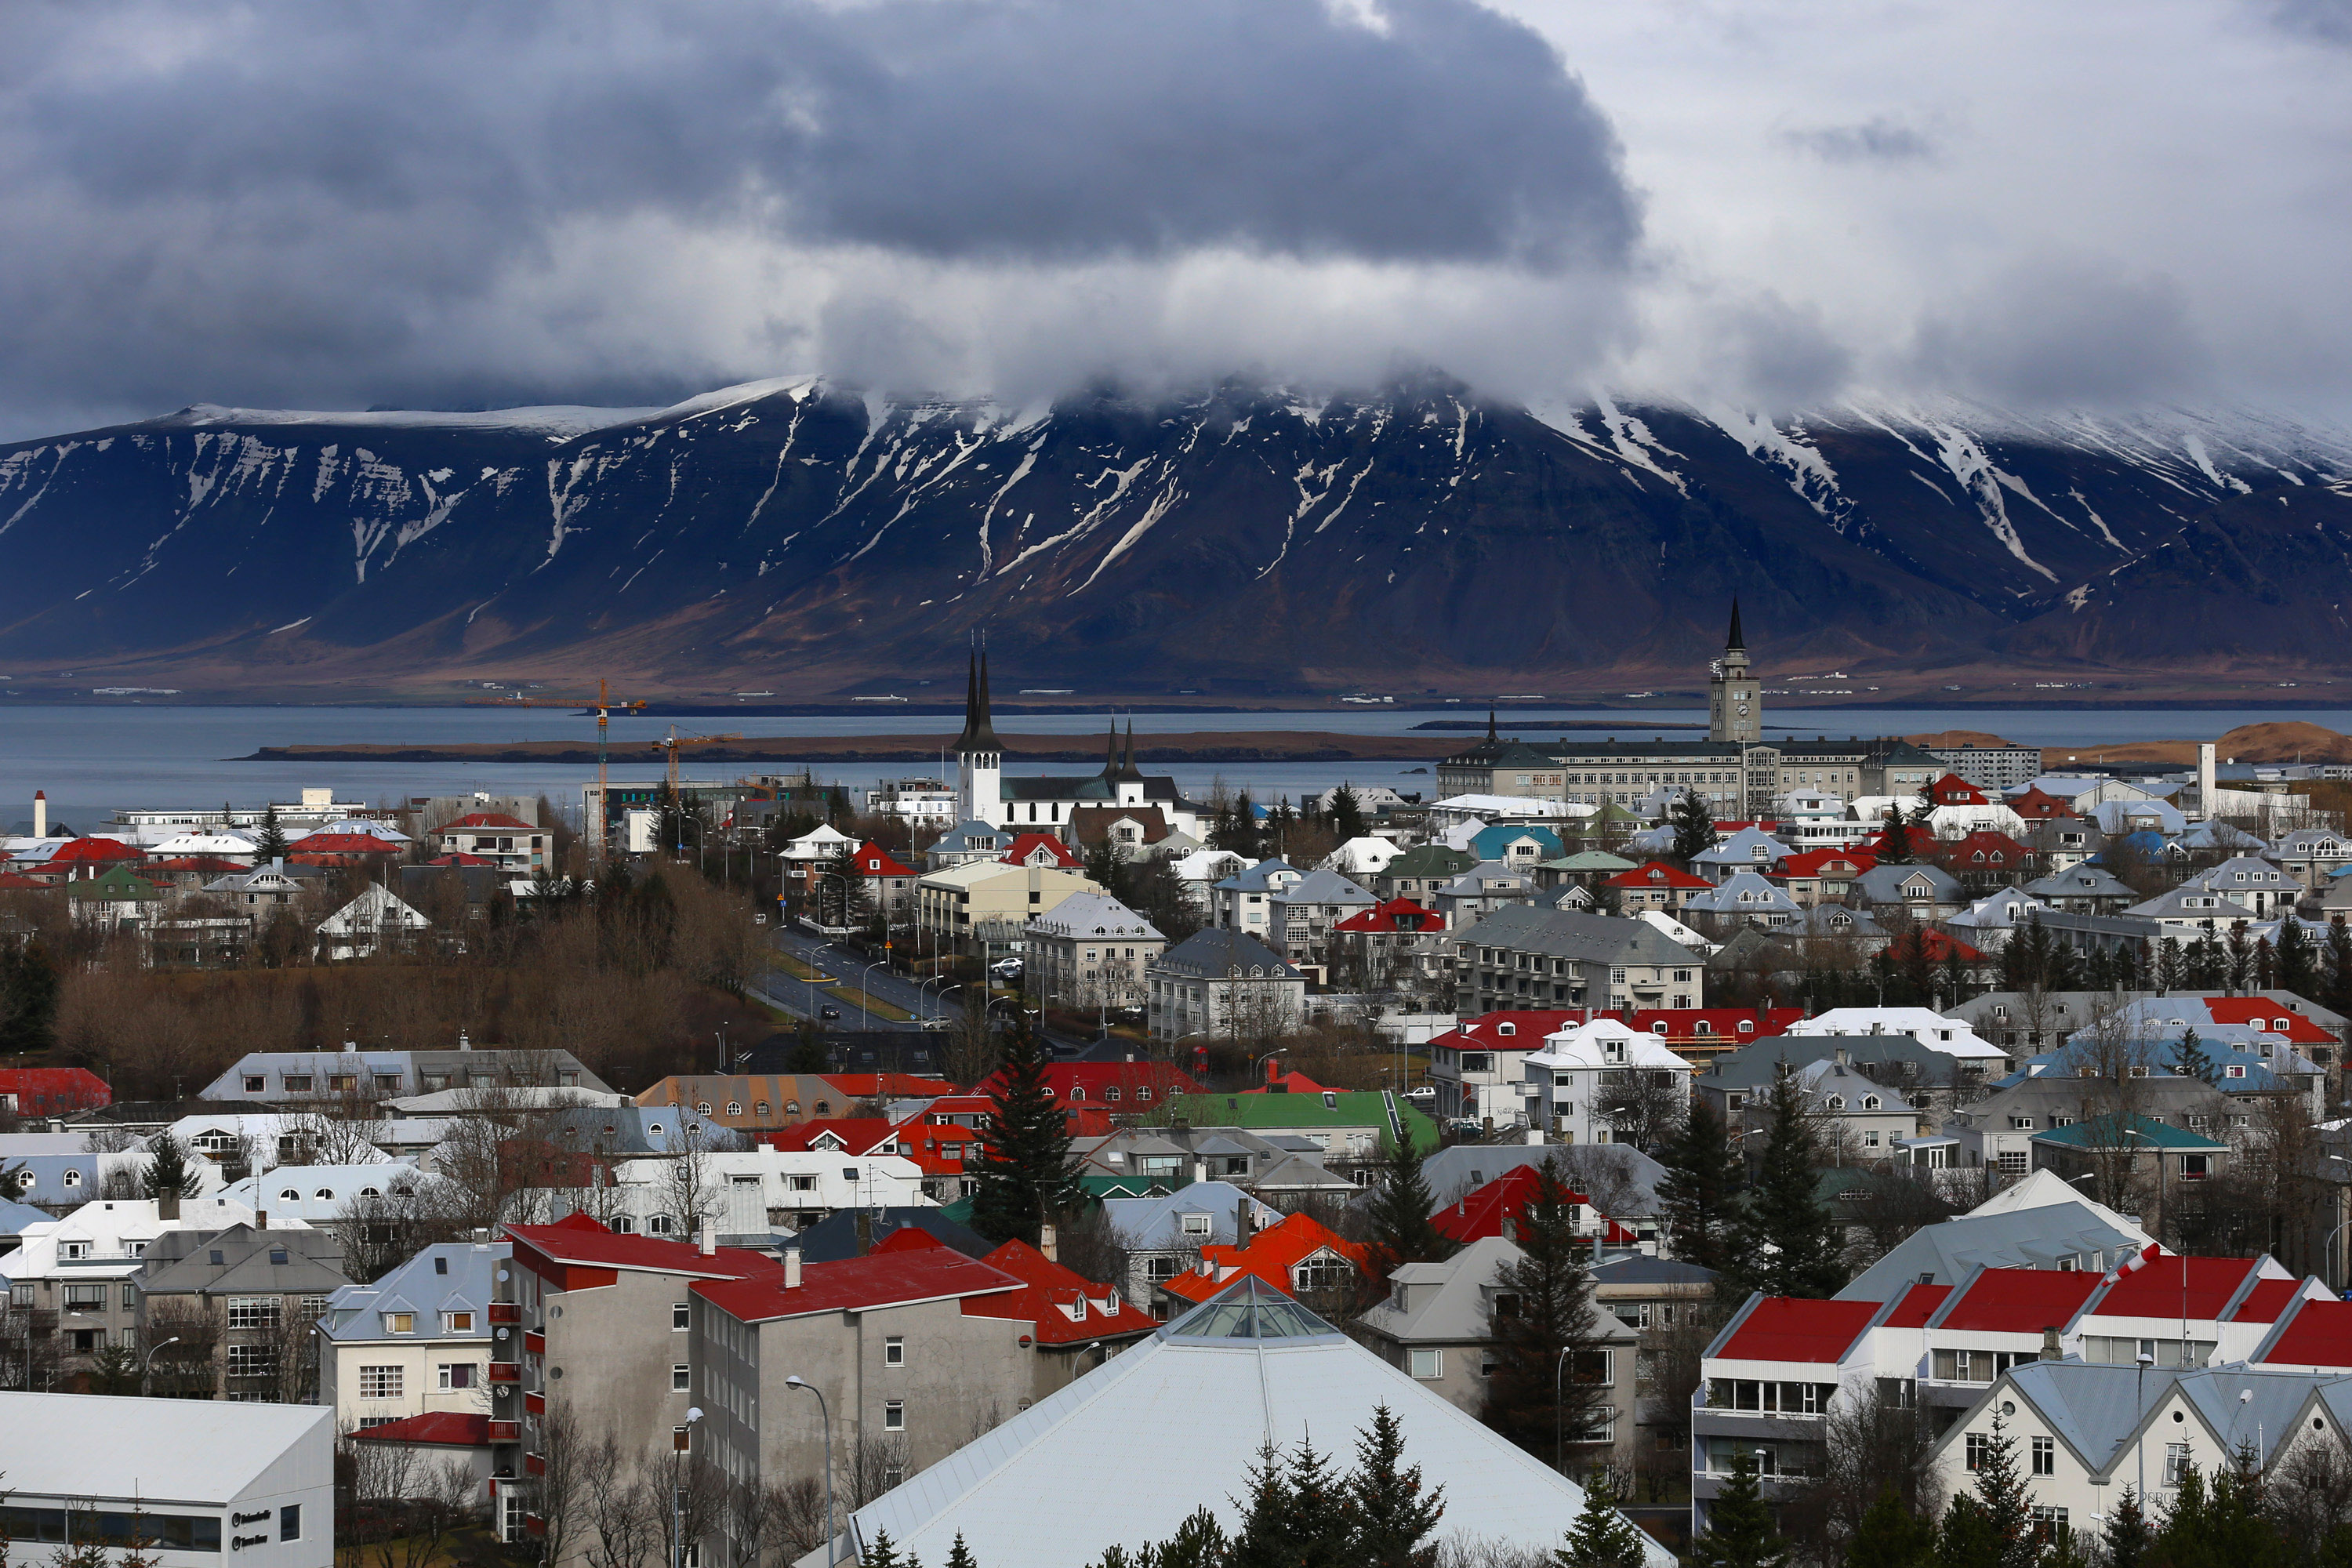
x,y
1091,951
414,1342
952,904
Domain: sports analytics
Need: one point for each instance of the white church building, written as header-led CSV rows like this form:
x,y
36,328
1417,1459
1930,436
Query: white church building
x,y
1046,804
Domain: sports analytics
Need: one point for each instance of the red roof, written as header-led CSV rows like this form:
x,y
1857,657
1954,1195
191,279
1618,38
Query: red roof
x,y
1029,844
212,863
1051,1294
1480,1213
1982,850
2037,805
1529,1028
1525,1029
1915,1306
886,1085
93,851
897,1274
2264,1013
441,1428
1938,945
856,1134
1787,1328
2157,1290
578,1239
488,821
1291,1082
1739,1024
1825,863
55,1089
16,881
873,860
1270,1255
2020,1300
2265,1301
940,1150
2312,1333
344,844
1954,790
1657,874
1396,915
1093,1083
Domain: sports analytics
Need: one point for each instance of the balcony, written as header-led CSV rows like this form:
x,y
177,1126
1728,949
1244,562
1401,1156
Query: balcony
x,y
534,1464
506,1313
505,1372
506,1431
534,1404
534,1343
533,1524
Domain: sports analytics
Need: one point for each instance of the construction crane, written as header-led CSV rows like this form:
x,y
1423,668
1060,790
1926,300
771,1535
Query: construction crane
x,y
676,742
605,702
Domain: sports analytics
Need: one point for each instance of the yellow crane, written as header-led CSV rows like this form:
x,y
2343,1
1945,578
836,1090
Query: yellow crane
x,y
605,702
674,743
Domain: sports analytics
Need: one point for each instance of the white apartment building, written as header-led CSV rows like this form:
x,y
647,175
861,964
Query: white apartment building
x,y
1585,1072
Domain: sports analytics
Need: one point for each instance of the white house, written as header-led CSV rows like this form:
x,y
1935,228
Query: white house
x,y
365,923
415,1342
1952,1036
759,1191
1574,1086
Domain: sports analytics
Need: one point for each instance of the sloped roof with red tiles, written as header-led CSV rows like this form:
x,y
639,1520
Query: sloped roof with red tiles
x,y
55,1089
344,844
440,1429
850,1135
2310,1333
1981,850
1396,915
1954,790
1658,874
1291,1082
1028,844
2017,1301
1527,1029
16,881
1066,1307
2176,1287
207,863
898,1273
2262,1013
1825,863
886,1085
1270,1255
2037,804
939,1151
1740,1023
1480,1213
1937,946
2265,1301
1791,1329
1089,1083
94,851
873,860
1914,1307
488,822
590,1245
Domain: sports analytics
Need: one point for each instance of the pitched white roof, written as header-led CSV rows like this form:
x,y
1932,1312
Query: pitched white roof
x,y
164,1450
1190,1408
1953,1036
1586,1045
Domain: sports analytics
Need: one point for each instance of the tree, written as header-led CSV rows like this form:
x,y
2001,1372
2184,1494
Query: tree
x,y
960,1555
1890,1535
28,999
1541,1311
1401,1231
1693,821
270,845
1026,1173
1896,848
2240,962
2190,1059
1701,1192
2220,1523
1602,1537
1394,1514
169,1171
1739,1529
1789,1244
2295,964
2125,1539
1346,814
2003,1504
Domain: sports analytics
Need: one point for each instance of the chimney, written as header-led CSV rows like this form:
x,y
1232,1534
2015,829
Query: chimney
x,y
792,1269
1535,1135
463,1042
1049,1243
706,1240
352,1045
261,1219
167,1206
2050,1350
1510,1227
1242,1222
40,814
865,1232
1842,1055
1200,1170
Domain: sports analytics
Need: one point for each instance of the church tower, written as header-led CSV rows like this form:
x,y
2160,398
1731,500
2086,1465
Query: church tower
x,y
979,755
1735,708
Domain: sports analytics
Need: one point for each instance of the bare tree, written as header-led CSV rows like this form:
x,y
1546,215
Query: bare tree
x,y
189,1365
617,1528
381,1231
688,1189
560,1498
29,1347
1644,1106
796,1521
1876,1438
420,1503
1888,1205
699,1490
872,1466
2309,1494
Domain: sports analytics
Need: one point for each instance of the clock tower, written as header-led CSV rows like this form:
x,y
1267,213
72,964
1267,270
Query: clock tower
x,y
1735,709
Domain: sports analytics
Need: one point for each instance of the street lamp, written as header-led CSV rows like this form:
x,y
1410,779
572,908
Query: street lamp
x,y
678,1495
147,1365
825,1415
865,1005
1080,1359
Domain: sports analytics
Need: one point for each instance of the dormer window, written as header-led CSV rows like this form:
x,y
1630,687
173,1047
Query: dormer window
x,y
1837,1102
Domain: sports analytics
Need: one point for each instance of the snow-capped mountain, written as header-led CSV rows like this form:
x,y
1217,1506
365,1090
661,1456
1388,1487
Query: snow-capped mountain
x,y
812,537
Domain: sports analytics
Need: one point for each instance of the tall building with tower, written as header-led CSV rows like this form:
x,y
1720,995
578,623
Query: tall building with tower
x,y
1044,801
1735,706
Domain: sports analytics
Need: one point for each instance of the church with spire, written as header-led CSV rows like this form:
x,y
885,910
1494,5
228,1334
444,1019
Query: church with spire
x,y
1049,803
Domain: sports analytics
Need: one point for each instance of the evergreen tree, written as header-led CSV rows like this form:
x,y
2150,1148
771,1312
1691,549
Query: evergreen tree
x,y
272,843
1401,1231
1346,814
1541,1307
1161,898
1264,1539
1694,824
2220,1523
1602,1537
1321,1528
1896,848
2296,965
2189,1058
1109,871
1701,1189
1788,1245
168,1172
2240,963
884,1553
1890,1536
2168,964
28,999
1026,1173
2125,1540
2003,1503
2337,993
1394,1517
960,1555
1739,1529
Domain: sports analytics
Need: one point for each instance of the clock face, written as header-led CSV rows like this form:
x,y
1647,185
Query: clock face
x,y
1743,709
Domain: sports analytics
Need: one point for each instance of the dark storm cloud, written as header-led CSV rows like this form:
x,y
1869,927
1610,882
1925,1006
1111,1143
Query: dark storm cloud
x,y
305,200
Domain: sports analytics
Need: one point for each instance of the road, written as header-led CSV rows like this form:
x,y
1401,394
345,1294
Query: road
x,y
803,1000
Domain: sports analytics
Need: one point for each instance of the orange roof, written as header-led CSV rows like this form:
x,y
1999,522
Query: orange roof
x,y
1268,1255
1066,1306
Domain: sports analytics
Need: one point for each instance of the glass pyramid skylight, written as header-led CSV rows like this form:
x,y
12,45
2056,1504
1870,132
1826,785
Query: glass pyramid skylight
x,y
1249,1309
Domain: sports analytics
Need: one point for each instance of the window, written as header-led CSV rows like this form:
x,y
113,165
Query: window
x,y
894,1350
457,1322
398,1322
2045,1456
1324,1271
679,1317
2175,1463
1426,1363
1979,1449
86,1297
255,1083
289,1522
1196,1225
375,1382
681,1379
457,1374
894,1415
804,1183
262,1312
297,1083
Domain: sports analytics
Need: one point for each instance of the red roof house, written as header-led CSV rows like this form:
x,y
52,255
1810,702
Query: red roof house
x,y
1041,849
1067,1309
78,858
1792,1329
874,861
1914,1307
1986,852
433,1429
2271,1017
1118,1086
46,1091
1502,1204
1954,790
1397,915
886,1085
1658,874
2037,805
2316,1334
2018,1301
1286,1256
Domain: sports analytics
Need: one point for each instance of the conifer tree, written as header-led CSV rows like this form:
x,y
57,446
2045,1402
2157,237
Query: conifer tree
x,y
2338,981
1739,1529
2168,964
1346,814
1264,1539
1394,1515
2294,966
1602,1537
271,845
29,987
1026,1172
1966,1538
1541,1307
1788,1245
960,1555
2190,1059
2001,1499
2239,968
1701,1192
168,1171
2125,1541
1694,824
1889,1535
1402,1230
1896,848
1321,1530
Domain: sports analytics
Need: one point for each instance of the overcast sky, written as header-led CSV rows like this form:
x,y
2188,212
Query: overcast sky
x,y
1769,201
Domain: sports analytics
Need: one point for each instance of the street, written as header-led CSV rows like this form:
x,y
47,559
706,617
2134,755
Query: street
x,y
803,1000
